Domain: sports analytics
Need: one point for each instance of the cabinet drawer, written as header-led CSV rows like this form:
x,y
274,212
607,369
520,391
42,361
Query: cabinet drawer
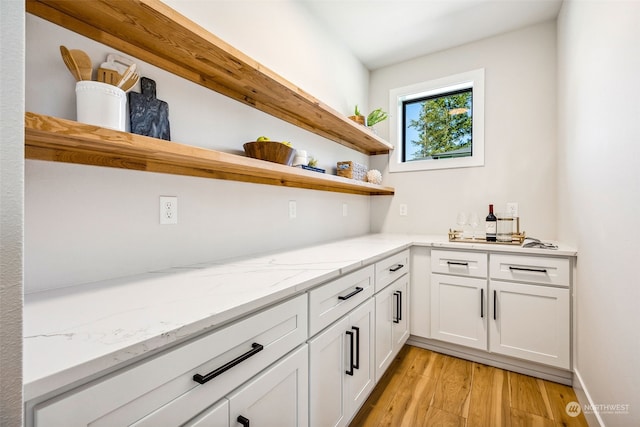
x,y
521,268
389,269
460,263
333,300
165,384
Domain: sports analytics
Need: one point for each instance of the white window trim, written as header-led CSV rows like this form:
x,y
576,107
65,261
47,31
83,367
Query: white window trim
x,y
474,79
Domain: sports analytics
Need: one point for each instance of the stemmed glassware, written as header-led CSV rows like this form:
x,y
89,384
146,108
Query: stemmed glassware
x,y
474,221
461,220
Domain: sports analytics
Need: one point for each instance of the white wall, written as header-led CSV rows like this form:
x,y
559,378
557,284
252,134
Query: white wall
x,y
520,137
87,223
598,197
11,220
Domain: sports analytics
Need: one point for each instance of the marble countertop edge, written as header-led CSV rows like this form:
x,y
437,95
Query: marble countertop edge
x,y
108,339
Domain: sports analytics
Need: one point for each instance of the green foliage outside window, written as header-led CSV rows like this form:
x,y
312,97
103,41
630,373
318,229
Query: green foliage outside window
x,y
443,126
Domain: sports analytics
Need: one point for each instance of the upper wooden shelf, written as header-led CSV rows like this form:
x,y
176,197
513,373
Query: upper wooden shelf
x,y
155,33
54,139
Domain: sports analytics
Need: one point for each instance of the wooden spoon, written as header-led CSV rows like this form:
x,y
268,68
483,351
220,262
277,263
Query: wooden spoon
x,y
84,63
70,63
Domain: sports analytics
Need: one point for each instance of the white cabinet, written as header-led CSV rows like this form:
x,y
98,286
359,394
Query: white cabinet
x,y
458,310
391,268
216,416
392,322
173,387
276,397
341,373
531,321
334,299
519,306
420,289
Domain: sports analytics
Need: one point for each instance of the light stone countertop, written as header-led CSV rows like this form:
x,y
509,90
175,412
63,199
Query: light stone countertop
x,y
75,333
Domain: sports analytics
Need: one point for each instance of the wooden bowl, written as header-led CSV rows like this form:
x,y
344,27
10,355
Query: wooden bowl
x,y
271,151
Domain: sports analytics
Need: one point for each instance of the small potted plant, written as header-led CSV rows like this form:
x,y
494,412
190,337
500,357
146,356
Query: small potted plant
x,y
376,116
357,117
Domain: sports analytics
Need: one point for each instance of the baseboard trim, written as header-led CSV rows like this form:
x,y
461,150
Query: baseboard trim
x,y
522,367
584,398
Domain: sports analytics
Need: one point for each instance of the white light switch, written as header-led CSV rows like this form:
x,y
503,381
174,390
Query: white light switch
x,y
345,209
512,208
403,209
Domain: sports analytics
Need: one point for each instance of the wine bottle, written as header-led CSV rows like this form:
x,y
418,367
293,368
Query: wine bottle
x,y
491,225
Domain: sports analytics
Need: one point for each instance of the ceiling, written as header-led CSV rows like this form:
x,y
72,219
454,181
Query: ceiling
x,y
385,32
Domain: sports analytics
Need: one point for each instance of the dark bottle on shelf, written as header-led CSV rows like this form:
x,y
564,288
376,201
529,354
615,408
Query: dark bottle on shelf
x,y
491,225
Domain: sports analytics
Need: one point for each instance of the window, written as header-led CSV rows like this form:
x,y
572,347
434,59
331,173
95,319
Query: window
x,y
438,124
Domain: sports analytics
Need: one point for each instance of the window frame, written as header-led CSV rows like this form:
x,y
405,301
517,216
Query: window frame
x,y
471,79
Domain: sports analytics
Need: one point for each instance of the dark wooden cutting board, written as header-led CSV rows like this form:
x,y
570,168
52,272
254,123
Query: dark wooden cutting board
x,y
149,116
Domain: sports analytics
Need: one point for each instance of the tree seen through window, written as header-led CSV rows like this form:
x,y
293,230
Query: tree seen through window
x,y
438,126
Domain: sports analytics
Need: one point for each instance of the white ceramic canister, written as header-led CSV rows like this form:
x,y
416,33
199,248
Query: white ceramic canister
x,y
101,104
300,158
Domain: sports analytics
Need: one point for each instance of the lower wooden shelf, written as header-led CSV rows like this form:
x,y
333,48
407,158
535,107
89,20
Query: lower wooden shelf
x,y
60,140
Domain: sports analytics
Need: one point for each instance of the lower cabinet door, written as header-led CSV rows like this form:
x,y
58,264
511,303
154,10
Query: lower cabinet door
x,y
459,310
360,361
384,330
327,367
400,323
341,370
392,323
530,322
216,416
276,397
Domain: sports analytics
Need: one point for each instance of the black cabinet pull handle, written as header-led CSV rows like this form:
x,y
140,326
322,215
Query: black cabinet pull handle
x,y
396,268
201,379
357,364
482,303
536,270
457,263
350,370
358,289
398,316
495,297
244,421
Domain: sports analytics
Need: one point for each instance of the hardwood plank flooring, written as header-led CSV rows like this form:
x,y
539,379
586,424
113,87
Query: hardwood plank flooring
x,y
425,388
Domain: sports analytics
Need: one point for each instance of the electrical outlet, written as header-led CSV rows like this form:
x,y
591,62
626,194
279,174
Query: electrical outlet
x,y
512,208
293,209
404,210
168,210
345,209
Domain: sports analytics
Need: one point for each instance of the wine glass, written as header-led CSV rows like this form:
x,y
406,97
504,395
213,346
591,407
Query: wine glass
x,y
474,221
461,220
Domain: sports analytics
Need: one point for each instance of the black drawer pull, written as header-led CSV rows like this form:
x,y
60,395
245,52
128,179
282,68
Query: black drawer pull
x,y
350,370
201,379
536,270
482,303
358,290
466,264
396,268
243,420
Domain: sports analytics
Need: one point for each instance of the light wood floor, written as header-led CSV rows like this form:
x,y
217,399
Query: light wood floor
x,y
424,388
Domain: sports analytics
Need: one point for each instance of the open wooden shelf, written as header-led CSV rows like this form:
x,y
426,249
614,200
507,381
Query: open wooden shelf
x,y
53,139
155,33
